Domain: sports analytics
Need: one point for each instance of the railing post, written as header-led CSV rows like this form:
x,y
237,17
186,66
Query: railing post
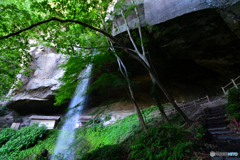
x,y
223,91
208,98
183,106
234,83
194,103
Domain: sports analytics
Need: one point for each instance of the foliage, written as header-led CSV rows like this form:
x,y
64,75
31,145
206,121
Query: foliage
x,y
14,55
233,106
200,132
47,142
165,142
74,67
24,138
97,137
76,64
109,142
6,134
176,119
19,14
107,152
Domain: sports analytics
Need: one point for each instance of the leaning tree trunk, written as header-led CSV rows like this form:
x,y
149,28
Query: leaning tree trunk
x,y
123,71
187,120
154,93
142,58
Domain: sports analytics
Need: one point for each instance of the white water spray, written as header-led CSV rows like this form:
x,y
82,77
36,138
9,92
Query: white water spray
x,y
66,136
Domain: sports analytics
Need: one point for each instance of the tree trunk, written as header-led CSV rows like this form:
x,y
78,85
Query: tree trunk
x,y
187,120
154,93
139,115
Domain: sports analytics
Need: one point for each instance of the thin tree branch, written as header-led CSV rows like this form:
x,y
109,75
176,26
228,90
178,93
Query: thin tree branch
x,y
130,36
139,27
78,22
92,47
122,48
62,21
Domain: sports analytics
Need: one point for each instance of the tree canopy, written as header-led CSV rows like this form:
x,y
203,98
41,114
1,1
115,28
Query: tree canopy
x,y
23,20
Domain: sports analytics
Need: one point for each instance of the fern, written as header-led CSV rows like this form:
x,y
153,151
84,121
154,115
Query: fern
x,y
159,146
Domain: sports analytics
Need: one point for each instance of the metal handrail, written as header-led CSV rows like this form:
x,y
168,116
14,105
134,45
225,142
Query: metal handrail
x,y
189,104
227,84
202,98
234,85
236,78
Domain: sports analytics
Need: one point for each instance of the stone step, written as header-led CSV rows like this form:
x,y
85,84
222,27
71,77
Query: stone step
x,y
215,118
215,122
233,137
215,112
216,125
222,132
215,109
214,115
217,129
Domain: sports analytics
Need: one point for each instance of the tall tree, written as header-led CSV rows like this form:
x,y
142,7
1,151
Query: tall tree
x,y
142,55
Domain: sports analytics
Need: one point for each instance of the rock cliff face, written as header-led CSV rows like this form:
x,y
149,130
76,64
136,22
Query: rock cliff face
x,y
36,94
152,12
193,45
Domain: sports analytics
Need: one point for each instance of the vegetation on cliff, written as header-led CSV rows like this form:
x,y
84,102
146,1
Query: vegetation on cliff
x,y
233,106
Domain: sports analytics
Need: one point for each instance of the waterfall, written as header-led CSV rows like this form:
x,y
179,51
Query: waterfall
x,y
66,135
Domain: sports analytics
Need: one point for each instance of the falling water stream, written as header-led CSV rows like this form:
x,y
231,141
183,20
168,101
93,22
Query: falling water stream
x,y
66,136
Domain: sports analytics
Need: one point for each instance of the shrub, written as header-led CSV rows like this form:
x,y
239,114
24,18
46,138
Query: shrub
x,y
22,139
6,134
47,142
200,132
233,106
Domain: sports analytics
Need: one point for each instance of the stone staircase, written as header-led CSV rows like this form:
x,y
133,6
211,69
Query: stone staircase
x,y
217,126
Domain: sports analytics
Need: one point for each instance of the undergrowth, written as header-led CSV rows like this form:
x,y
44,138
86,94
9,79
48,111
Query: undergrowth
x,y
47,142
233,106
164,142
125,140
26,142
97,136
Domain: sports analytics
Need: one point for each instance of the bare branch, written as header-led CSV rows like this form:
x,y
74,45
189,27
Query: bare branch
x,y
62,21
91,47
139,28
78,22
